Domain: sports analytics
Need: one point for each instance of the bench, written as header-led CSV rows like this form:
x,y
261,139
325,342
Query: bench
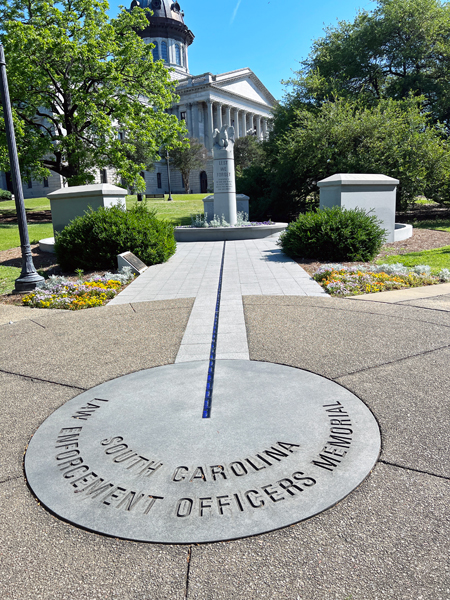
x,y
154,195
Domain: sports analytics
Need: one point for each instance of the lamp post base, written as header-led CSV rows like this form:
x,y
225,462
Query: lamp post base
x,y
28,282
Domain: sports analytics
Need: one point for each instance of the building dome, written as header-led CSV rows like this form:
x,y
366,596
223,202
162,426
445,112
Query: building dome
x,y
168,32
167,15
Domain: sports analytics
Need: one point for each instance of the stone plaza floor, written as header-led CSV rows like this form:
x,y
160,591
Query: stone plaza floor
x,y
388,539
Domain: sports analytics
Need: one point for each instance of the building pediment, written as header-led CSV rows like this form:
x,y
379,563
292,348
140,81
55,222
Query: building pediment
x,y
244,83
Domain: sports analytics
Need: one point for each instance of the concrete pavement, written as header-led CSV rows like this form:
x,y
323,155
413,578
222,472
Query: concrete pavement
x,y
389,539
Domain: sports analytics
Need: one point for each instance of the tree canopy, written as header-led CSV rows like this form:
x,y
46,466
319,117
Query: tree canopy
x,y
78,82
394,138
401,47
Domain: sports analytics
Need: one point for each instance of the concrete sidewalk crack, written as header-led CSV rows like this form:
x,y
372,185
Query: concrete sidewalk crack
x,y
36,323
12,478
390,464
34,378
390,362
186,591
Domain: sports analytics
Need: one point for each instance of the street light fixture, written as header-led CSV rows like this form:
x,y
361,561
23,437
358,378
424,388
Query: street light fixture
x,y
29,279
169,199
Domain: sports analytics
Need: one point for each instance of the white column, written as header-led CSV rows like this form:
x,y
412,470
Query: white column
x,y
264,128
195,128
244,122
258,127
210,123
228,115
236,123
219,115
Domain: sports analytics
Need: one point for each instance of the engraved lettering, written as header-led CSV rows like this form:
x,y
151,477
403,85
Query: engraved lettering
x,y
151,502
255,466
275,453
238,468
218,470
205,504
184,507
114,494
255,502
180,474
288,486
199,473
67,474
223,501
273,493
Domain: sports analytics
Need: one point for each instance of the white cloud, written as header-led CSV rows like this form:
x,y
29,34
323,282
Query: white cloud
x,y
233,16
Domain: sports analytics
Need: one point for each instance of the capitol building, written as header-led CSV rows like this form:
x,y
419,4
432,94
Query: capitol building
x,y
206,102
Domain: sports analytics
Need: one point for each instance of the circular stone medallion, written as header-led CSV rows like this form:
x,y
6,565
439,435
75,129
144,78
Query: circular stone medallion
x,y
133,458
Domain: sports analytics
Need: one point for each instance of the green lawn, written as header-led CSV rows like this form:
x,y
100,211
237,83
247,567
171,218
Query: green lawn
x,y
177,212
439,224
8,275
437,259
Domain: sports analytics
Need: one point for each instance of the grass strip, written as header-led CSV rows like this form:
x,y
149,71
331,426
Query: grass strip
x,y
437,259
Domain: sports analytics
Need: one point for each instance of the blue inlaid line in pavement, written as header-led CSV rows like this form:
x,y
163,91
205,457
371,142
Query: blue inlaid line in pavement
x,y
212,354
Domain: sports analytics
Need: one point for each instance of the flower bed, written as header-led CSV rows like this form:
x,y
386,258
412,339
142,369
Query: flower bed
x,y
338,280
60,292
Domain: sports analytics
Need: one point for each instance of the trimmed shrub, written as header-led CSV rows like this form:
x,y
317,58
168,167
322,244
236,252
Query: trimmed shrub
x,y
5,195
334,234
94,240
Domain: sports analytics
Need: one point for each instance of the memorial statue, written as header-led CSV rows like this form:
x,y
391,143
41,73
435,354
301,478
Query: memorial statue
x,y
224,179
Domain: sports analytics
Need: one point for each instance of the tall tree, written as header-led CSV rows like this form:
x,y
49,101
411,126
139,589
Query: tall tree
x,y
190,156
80,80
402,47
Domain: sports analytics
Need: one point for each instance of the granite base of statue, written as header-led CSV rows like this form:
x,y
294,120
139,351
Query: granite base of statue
x,y
224,180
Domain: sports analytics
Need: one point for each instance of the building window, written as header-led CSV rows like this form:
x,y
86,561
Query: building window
x,y
182,116
177,54
155,51
45,182
104,176
158,180
120,135
164,51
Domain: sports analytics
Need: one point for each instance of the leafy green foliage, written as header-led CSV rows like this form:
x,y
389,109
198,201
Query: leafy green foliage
x,y
334,234
77,78
94,240
393,138
190,156
400,47
5,195
248,151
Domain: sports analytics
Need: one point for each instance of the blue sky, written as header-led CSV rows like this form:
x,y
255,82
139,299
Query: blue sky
x,y
268,36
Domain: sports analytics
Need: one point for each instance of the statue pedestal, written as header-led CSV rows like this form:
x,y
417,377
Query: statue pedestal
x,y
224,180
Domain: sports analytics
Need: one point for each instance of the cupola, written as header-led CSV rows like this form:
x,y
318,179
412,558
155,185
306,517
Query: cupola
x,y
167,31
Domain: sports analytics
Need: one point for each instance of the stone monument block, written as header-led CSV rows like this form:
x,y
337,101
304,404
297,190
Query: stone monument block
x,y
373,193
242,205
70,202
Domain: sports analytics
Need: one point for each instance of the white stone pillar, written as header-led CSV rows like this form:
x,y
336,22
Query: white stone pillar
x,y
236,124
228,115
264,128
244,122
210,123
258,128
195,128
189,119
219,115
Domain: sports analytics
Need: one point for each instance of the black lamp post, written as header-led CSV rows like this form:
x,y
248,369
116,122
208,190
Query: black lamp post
x,y
169,199
29,279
